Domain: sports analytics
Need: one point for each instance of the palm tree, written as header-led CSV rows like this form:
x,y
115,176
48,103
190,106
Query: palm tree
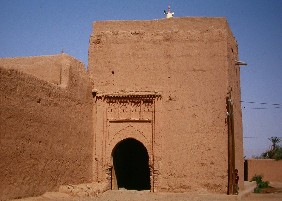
x,y
274,141
276,151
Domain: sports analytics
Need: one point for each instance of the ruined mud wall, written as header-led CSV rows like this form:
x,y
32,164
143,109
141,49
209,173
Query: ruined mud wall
x,y
45,130
186,61
44,67
269,169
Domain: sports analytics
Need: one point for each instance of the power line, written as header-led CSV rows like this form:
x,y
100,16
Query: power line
x,y
262,105
259,137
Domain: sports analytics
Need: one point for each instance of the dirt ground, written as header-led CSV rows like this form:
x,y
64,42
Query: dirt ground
x,y
264,197
146,196
126,195
273,193
271,190
137,196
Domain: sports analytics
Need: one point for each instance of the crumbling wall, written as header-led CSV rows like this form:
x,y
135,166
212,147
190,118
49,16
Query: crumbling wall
x,y
186,61
46,129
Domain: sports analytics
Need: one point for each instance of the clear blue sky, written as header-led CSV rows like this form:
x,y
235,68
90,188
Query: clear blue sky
x,y
44,27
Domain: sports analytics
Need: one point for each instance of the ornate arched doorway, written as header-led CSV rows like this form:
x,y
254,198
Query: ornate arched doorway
x,y
130,166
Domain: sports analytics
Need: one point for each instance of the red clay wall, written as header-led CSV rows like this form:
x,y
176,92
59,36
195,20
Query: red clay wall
x,y
46,130
186,61
270,169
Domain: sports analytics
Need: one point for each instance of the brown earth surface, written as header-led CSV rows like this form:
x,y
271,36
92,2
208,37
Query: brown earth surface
x,y
146,196
273,193
125,195
264,197
271,190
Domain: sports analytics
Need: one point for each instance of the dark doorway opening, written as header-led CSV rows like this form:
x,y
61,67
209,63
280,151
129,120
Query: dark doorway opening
x,y
131,165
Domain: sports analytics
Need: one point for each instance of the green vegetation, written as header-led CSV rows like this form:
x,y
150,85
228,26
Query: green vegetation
x,y
260,183
275,151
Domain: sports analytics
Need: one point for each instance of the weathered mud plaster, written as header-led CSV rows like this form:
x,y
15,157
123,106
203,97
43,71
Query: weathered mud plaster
x,y
170,87
191,64
45,128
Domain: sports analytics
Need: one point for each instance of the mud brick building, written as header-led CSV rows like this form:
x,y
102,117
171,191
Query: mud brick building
x,y
157,109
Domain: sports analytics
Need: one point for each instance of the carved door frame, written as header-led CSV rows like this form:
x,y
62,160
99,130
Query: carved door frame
x,y
123,121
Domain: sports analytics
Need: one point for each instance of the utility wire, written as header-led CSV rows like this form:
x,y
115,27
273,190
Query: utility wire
x,y
259,137
262,105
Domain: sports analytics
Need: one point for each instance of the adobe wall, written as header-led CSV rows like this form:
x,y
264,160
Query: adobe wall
x,y
44,67
268,168
46,130
186,61
235,94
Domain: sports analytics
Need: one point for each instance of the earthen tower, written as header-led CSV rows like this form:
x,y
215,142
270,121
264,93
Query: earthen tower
x,y
159,109
168,84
